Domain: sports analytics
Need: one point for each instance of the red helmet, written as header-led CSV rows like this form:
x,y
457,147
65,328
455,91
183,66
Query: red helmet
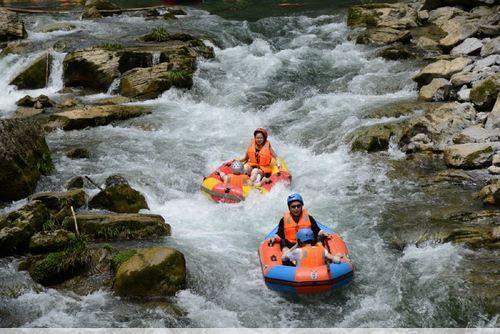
x,y
261,130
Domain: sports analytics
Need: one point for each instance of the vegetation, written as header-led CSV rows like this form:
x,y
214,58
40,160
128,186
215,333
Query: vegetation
x,y
112,46
159,34
122,257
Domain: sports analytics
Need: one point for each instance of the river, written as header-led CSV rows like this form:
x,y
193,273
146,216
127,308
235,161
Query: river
x,y
301,77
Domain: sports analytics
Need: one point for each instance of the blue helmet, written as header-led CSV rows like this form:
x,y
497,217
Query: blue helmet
x,y
305,234
293,198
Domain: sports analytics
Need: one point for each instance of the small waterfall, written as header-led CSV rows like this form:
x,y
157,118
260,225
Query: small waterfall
x,y
56,72
156,58
113,88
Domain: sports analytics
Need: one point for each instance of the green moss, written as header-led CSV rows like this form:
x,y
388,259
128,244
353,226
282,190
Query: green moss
x,y
484,94
357,16
45,165
179,75
122,257
169,16
157,35
112,46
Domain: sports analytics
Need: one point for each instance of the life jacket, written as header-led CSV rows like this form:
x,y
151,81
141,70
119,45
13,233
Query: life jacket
x,y
312,256
262,158
238,180
291,227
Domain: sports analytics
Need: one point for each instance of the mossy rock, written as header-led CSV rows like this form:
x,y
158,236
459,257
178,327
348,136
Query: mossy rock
x,y
58,200
122,257
374,138
152,272
358,16
484,93
36,75
120,198
50,241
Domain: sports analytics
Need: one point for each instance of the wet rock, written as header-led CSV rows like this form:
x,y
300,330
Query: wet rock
x,y
176,11
467,47
382,36
396,16
42,101
436,90
68,103
78,153
23,112
398,109
425,42
440,69
476,134
101,5
495,170
491,47
57,200
373,138
465,78
50,241
151,272
113,100
115,180
56,26
169,16
433,4
493,120
496,160
36,75
468,156
133,59
396,52
11,26
152,13
24,157
121,198
20,225
458,30
96,116
149,83
490,194
76,182
453,176
91,68
121,226
484,92
91,13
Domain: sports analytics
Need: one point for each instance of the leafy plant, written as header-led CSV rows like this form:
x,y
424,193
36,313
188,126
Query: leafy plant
x,y
158,34
49,225
112,46
179,75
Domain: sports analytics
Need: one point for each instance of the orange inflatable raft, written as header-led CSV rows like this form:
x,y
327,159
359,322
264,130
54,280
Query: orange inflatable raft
x,y
218,191
305,280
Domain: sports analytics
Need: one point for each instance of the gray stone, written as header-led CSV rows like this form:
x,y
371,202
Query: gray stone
x,y
493,121
467,47
58,200
491,47
465,78
491,60
476,134
463,94
440,69
496,160
468,156
11,26
495,170
437,90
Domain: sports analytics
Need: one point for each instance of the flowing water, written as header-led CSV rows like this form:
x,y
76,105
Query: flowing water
x,y
300,77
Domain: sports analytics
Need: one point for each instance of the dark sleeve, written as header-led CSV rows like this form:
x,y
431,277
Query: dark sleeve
x,y
314,226
281,229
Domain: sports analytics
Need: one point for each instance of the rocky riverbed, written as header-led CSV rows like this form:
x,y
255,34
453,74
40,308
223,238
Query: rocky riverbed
x,y
440,152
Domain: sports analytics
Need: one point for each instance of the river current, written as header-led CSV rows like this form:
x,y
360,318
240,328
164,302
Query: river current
x,y
303,79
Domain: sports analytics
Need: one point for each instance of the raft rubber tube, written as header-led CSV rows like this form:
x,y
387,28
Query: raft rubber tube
x,y
218,191
305,280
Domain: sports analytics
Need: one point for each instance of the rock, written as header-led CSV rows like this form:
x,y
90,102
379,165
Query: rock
x,y
56,26
169,16
176,11
152,272
379,36
436,90
440,69
465,78
423,42
454,176
467,47
463,94
423,15
458,30
102,5
396,16
476,134
493,120
433,4
24,157
91,68
11,26
468,156
373,138
20,225
115,180
133,59
55,268
23,112
119,198
495,170
91,13
491,47
96,116
112,100
396,52
122,226
78,153
76,182
496,160
68,103
489,29
152,13
50,241
57,200
36,75
482,64
149,83
484,92
490,194
41,101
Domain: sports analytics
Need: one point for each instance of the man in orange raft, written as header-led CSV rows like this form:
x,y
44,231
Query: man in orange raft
x,y
295,218
236,178
259,156
310,253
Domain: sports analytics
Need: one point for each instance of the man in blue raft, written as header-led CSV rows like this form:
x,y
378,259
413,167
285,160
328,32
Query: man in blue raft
x,y
294,219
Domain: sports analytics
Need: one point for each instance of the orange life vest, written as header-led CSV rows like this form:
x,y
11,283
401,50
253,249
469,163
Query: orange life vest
x,y
291,227
312,256
238,180
262,158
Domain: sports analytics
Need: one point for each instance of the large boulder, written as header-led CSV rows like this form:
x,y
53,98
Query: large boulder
x,y
440,69
396,16
467,47
11,26
120,198
493,121
18,227
96,116
93,68
436,90
476,134
24,157
484,93
490,194
374,138
36,75
56,201
119,226
468,156
152,272
383,35
50,241
457,30
148,83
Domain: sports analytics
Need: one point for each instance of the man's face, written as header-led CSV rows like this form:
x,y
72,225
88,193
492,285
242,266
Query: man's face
x,y
295,208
